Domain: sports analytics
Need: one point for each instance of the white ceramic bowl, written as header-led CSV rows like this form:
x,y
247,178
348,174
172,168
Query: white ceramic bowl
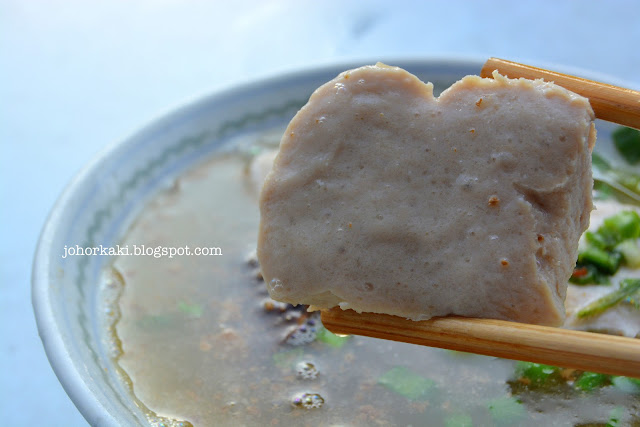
x,y
100,203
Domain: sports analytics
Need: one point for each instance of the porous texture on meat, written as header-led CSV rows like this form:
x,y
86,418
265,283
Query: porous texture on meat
x,y
386,199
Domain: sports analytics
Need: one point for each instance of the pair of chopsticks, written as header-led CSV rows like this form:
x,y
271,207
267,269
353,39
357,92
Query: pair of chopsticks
x,y
610,103
540,344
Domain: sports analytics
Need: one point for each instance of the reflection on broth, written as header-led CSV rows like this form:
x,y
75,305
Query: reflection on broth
x,y
201,343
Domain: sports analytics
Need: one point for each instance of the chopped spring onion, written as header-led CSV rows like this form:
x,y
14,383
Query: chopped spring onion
x,y
618,183
613,244
607,262
628,289
506,411
589,381
409,384
630,252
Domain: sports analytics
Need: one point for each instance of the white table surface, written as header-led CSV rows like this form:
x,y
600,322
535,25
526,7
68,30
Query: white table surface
x,y
77,75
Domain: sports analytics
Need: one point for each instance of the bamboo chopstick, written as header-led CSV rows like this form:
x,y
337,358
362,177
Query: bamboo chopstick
x,y
541,344
611,103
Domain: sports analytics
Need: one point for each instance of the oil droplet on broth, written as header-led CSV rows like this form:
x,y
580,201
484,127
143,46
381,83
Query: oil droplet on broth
x,y
305,332
308,401
306,371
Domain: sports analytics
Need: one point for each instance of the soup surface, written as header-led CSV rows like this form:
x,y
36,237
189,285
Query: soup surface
x,y
201,343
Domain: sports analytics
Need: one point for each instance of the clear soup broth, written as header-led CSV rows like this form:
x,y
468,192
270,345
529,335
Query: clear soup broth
x,y
200,343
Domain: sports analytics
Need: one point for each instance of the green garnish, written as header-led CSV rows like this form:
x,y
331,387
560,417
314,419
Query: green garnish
x,y
627,141
621,226
539,376
506,410
613,244
286,358
634,300
458,420
326,336
606,262
614,416
536,373
589,381
194,310
630,253
407,383
610,182
588,274
529,376
628,289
